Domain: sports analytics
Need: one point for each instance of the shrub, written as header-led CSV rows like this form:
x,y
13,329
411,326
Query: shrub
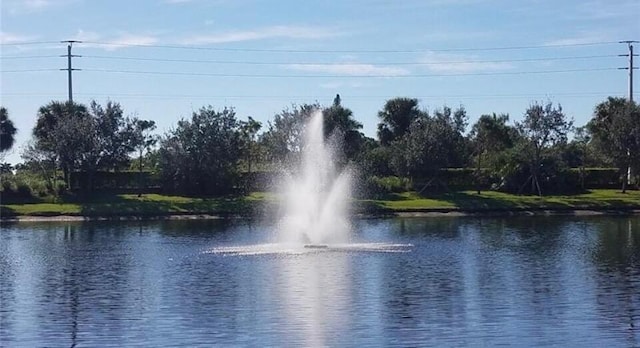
x,y
24,186
24,190
8,185
59,187
598,177
379,186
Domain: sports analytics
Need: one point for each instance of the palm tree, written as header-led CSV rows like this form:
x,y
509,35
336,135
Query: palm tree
x,y
339,121
7,130
395,118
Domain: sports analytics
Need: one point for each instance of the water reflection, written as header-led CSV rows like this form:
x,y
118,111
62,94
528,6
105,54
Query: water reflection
x,y
465,282
316,293
618,281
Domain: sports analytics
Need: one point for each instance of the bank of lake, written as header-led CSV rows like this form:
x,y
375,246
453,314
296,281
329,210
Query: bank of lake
x,y
257,203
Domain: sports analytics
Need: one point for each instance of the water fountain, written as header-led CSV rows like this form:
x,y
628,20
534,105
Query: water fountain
x,y
315,205
316,197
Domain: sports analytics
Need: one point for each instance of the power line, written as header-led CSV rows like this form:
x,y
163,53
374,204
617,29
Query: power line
x,y
347,63
28,43
310,97
175,73
28,57
239,49
247,49
240,62
315,96
457,97
27,70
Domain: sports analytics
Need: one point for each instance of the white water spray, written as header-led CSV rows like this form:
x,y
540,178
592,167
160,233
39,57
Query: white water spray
x,y
315,199
316,196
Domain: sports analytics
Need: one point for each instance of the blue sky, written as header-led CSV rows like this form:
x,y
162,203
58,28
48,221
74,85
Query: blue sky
x,y
261,56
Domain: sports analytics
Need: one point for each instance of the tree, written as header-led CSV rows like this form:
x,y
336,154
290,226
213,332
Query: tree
x,y
431,143
41,161
65,132
85,139
615,127
114,136
396,117
489,135
284,138
374,160
249,130
581,143
6,168
201,155
112,140
453,125
98,138
7,130
142,140
542,128
341,126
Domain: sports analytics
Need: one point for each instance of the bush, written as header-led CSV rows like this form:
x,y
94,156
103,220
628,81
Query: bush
x,y
376,161
598,177
24,186
59,187
462,178
8,185
108,180
379,186
24,190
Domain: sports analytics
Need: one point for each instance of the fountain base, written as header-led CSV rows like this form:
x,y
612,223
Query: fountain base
x,y
316,246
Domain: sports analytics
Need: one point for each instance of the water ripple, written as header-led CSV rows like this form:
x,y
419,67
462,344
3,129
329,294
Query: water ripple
x,y
301,249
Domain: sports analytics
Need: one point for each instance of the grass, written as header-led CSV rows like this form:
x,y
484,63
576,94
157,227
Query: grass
x,y
491,200
161,205
132,205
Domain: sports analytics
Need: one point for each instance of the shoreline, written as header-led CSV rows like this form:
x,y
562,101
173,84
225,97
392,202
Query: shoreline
x,y
409,213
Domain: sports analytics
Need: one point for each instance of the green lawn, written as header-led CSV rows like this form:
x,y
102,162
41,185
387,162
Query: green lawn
x,y
132,205
158,205
491,200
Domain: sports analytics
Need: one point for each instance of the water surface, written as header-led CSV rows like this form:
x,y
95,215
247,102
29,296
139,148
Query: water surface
x,y
560,281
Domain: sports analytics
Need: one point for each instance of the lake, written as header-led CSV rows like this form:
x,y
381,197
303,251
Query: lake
x,y
465,281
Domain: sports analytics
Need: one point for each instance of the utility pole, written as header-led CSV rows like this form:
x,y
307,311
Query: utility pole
x,y
630,67
69,69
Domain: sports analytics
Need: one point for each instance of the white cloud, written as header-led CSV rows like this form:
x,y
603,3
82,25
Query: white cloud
x,y
606,9
421,5
9,38
343,84
125,39
129,39
14,7
453,35
455,63
201,2
580,39
37,4
573,41
331,85
82,35
281,31
351,69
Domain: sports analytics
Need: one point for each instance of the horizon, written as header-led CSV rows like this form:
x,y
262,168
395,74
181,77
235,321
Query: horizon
x,y
493,56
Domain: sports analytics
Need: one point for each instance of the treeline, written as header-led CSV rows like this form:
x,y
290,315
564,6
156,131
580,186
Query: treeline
x,y
215,152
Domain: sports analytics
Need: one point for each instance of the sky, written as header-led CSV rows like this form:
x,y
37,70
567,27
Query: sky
x,y
164,59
